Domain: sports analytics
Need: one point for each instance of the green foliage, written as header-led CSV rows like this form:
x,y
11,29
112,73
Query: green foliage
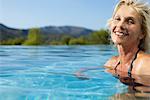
x,y
16,41
54,42
66,39
34,37
78,41
99,37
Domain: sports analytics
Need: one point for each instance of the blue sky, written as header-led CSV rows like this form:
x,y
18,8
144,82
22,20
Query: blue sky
x,y
92,14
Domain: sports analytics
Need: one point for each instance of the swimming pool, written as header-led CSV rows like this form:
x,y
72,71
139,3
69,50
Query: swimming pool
x,y
47,73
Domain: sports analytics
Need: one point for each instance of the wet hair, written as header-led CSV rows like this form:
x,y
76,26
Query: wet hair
x,y
143,9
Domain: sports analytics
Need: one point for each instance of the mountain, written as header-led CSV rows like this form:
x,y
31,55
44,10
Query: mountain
x,y
11,33
71,30
50,31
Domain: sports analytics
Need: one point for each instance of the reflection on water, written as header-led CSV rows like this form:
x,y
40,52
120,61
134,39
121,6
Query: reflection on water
x,y
138,86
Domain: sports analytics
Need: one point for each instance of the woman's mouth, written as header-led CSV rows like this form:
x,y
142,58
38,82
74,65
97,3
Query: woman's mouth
x,y
121,34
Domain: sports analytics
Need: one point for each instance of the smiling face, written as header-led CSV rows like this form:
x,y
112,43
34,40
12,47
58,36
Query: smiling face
x,y
126,26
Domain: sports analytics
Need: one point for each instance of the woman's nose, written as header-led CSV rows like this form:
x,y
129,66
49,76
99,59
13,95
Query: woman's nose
x,y
121,25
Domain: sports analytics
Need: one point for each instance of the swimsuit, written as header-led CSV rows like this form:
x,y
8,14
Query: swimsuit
x,y
131,65
128,80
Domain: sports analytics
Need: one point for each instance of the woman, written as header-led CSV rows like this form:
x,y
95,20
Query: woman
x,y
130,32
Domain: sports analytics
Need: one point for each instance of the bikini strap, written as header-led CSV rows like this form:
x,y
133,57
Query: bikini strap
x,y
117,65
131,65
116,69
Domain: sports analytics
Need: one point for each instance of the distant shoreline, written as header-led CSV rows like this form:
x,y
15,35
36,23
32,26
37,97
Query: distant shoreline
x,y
51,35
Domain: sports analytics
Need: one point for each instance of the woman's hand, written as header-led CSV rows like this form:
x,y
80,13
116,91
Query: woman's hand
x,y
80,75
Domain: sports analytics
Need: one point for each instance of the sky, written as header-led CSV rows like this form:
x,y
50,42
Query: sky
x,y
92,14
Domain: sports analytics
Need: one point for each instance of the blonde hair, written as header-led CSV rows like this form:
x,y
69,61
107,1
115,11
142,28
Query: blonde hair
x,y
143,10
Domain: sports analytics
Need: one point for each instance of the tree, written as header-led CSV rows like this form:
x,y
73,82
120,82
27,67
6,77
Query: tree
x,y
65,39
99,37
34,37
78,41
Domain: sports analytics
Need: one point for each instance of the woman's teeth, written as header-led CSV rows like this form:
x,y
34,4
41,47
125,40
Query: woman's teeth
x,y
120,33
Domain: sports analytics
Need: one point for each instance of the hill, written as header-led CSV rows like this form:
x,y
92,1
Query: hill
x,y
50,33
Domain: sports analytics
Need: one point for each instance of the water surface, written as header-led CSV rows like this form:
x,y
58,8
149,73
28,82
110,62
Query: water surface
x,y
47,73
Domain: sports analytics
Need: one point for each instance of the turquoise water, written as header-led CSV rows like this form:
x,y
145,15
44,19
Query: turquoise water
x,y
47,73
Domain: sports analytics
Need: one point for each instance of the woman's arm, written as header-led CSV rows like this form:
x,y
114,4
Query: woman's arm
x,y
80,74
110,64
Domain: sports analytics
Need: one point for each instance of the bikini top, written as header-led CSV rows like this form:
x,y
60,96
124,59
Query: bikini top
x,y
129,80
131,65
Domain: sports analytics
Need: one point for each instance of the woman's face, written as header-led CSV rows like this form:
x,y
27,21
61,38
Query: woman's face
x,y
126,26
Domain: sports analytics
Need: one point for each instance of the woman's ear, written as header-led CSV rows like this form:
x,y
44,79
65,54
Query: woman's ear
x,y
142,35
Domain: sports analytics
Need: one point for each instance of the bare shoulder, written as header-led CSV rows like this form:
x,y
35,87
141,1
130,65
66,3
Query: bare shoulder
x,y
145,58
144,64
111,62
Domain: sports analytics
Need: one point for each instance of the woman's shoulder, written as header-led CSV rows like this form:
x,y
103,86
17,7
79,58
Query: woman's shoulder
x,y
111,62
144,64
144,57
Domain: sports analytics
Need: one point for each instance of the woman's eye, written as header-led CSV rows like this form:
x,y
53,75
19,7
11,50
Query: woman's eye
x,y
117,19
130,21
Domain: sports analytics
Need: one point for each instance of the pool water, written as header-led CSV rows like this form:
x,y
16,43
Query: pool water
x,y
48,73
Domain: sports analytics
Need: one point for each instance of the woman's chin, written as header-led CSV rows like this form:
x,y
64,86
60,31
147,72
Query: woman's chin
x,y
117,42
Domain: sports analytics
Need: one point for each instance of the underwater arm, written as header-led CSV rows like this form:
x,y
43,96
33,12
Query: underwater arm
x,y
80,74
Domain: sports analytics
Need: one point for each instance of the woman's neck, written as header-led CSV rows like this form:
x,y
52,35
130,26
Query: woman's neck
x,y
126,54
